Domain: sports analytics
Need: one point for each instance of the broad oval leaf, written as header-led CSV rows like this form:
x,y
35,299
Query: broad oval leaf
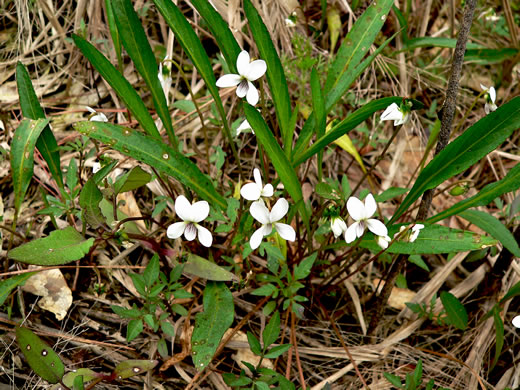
x,y
86,373
211,325
493,227
203,268
89,200
60,247
457,315
22,156
476,142
122,87
275,74
31,109
43,360
138,48
511,182
432,239
156,154
129,368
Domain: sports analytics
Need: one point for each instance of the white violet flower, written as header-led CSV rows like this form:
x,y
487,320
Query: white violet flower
x,y
253,191
394,113
244,126
516,322
269,220
191,215
165,80
338,226
96,167
383,241
411,235
361,213
247,72
491,96
99,117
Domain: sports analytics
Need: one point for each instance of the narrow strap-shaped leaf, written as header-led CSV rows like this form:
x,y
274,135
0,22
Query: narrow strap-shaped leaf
x,y
280,162
450,43
138,48
31,109
349,123
499,331
112,26
342,85
358,41
156,154
493,227
22,156
275,74
511,182
122,87
477,141
220,30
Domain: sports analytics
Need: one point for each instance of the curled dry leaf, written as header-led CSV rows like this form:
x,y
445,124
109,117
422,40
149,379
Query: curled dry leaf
x,y
52,287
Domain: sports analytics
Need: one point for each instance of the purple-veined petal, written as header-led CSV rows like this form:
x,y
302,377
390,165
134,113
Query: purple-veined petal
x,y
260,212
360,228
190,232
256,70
258,177
252,94
243,63
355,208
285,231
370,206
242,88
183,208
205,237
250,191
279,210
229,80
256,238
377,227
176,230
267,191
199,211
350,233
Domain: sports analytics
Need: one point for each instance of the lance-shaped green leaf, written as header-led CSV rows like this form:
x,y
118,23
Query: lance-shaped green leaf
x,y
414,43
129,368
457,315
499,331
22,156
476,142
275,74
43,360
6,286
31,109
220,30
89,200
138,48
156,154
511,182
122,87
59,247
432,239
211,325
494,227
132,180
203,268
358,41
280,162
112,26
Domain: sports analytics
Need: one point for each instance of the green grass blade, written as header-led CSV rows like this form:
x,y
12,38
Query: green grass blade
x,y
476,142
156,154
490,56
449,43
122,87
31,109
280,162
112,26
275,74
511,182
499,332
220,30
358,41
345,126
493,227
22,156
138,48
